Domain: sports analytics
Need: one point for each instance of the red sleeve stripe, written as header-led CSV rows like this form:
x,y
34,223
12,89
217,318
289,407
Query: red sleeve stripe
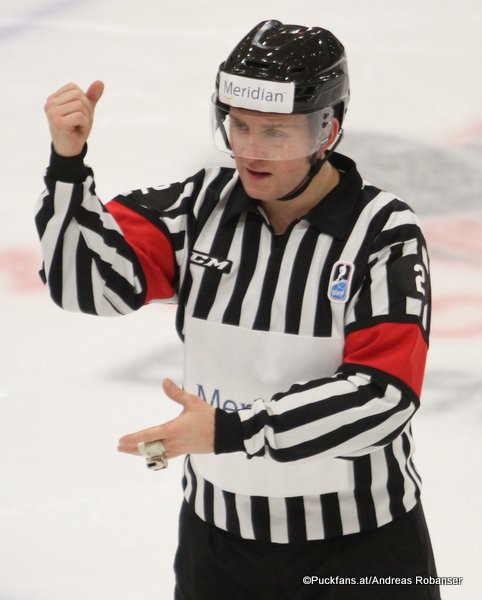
x,y
152,248
395,348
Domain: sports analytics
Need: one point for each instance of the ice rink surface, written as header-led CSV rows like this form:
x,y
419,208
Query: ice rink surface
x,y
77,519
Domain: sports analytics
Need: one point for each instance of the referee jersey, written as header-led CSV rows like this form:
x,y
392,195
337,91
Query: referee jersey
x,y
343,296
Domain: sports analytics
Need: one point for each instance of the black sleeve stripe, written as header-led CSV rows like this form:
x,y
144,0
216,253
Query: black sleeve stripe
x,y
44,214
382,378
398,234
332,440
85,296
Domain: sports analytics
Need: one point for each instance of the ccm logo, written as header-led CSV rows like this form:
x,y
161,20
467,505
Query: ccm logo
x,y
204,260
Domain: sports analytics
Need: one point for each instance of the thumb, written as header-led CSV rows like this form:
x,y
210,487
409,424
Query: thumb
x,y
95,91
177,394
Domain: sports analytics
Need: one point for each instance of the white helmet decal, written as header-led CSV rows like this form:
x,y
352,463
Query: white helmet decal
x,y
255,94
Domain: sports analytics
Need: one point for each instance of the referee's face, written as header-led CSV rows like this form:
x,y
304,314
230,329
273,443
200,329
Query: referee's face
x,y
271,151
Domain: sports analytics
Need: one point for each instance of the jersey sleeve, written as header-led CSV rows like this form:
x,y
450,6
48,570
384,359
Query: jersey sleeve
x,y
108,260
374,393
388,320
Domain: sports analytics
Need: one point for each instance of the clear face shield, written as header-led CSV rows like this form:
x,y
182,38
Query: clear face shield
x,y
269,136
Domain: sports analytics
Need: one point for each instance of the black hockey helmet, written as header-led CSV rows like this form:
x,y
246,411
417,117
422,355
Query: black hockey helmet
x,y
311,58
285,69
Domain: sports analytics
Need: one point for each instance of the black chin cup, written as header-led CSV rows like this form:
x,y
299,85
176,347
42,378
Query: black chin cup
x,y
315,166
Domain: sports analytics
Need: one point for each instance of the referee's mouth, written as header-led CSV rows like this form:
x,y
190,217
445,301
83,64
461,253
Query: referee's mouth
x,y
257,174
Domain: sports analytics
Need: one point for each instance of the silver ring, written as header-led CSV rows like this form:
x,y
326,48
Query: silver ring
x,y
155,454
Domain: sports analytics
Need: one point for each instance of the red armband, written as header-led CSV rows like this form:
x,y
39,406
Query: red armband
x,y
396,348
152,248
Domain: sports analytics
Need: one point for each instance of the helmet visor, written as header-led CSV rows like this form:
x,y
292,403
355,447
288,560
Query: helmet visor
x,y
269,136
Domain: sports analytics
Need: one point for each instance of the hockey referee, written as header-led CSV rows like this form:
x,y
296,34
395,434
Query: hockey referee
x,y
303,301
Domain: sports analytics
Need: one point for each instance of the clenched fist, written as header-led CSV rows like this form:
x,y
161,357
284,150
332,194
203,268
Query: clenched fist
x,y
70,113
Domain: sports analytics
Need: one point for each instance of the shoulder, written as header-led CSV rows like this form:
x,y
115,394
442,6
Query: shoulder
x,y
384,207
390,224
166,196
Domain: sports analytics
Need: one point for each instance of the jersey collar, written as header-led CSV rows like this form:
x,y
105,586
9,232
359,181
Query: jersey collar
x,y
331,215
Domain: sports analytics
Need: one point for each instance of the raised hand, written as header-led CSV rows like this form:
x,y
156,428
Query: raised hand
x,y
70,113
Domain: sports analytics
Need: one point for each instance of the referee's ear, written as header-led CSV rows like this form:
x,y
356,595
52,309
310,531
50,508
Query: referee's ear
x,y
334,131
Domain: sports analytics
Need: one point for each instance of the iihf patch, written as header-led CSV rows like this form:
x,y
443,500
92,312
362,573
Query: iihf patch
x,y
340,281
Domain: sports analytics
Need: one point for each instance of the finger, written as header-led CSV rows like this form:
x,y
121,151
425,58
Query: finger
x,y
71,91
67,97
69,108
128,443
95,91
65,88
177,394
66,105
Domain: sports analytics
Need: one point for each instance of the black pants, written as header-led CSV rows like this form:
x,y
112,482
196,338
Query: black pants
x,y
214,565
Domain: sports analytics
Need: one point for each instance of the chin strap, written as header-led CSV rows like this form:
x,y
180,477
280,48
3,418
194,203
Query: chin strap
x,y
316,164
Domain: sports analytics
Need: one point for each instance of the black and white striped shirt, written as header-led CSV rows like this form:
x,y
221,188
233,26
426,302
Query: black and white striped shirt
x,y
350,280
